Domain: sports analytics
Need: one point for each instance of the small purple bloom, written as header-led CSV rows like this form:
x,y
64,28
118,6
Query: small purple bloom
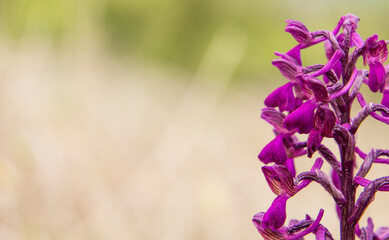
x,y
356,40
299,31
318,88
282,97
376,51
329,50
289,164
375,54
302,119
288,66
314,141
325,120
376,76
279,179
275,216
274,152
295,53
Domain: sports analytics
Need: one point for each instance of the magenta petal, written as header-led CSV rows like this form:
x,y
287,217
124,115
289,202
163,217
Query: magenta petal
x,y
356,40
296,54
346,87
357,230
310,229
282,97
325,120
320,233
279,179
329,50
273,152
275,216
375,50
370,227
335,179
267,233
376,76
371,42
299,31
314,141
288,68
275,118
364,182
339,25
289,164
302,119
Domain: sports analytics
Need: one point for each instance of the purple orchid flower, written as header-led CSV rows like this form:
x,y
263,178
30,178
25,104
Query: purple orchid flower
x,y
302,119
368,232
294,232
282,97
275,216
316,104
375,55
274,152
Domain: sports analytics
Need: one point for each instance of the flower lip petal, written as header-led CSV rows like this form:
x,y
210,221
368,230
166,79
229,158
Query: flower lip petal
x,y
275,118
357,40
302,119
375,50
274,151
282,97
377,76
325,120
275,216
295,54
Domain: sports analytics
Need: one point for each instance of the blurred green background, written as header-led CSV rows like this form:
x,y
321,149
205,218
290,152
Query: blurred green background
x,y
178,32
139,119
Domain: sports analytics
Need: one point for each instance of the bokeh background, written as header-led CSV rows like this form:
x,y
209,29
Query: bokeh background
x,y
140,119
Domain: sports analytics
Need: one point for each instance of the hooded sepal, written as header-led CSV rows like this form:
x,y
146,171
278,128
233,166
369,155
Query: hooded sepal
x,y
279,179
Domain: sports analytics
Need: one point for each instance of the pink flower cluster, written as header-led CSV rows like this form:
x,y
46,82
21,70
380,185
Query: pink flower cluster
x,y
315,103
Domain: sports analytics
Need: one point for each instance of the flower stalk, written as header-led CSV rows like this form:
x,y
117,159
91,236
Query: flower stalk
x,y
315,103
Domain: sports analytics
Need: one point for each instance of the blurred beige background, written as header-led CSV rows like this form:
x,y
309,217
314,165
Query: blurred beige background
x,y
140,119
